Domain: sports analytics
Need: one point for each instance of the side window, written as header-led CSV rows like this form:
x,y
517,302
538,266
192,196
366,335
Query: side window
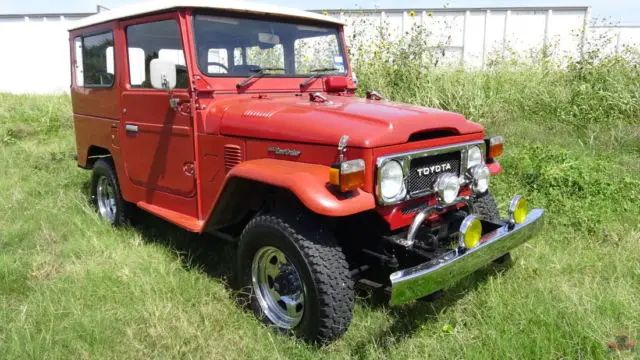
x,y
94,60
154,40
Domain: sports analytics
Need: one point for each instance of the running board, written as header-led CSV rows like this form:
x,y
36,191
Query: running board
x,y
184,221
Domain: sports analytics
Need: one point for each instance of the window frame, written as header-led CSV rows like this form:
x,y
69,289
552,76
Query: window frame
x,y
340,39
115,63
124,25
174,15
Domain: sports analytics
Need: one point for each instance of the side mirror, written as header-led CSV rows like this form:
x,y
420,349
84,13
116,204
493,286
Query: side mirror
x,y
163,74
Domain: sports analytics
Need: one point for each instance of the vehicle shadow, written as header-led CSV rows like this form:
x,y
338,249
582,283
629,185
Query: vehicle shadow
x,y
206,253
215,257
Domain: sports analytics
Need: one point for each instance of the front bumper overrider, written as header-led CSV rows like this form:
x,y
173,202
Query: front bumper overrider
x,y
439,273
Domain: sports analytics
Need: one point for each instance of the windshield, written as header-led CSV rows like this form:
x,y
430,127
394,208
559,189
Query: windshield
x,y
231,46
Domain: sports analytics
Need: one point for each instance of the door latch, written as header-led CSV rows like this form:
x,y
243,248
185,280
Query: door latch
x,y
174,103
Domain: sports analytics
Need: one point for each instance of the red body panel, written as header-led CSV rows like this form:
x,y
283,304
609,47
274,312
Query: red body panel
x,y
156,155
369,123
178,163
308,182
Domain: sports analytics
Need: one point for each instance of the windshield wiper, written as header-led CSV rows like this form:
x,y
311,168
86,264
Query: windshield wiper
x,y
258,73
316,76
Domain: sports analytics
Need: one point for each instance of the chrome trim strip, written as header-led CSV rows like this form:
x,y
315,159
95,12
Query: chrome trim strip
x,y
405,160
424,279
131,128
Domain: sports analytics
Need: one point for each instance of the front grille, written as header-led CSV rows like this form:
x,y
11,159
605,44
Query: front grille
x,y
417,184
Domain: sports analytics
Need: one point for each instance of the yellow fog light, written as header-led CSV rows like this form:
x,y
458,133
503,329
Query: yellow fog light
x,y
518,210
470,232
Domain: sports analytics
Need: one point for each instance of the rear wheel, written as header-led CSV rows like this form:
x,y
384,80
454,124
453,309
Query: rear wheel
x,y
105,193
295,277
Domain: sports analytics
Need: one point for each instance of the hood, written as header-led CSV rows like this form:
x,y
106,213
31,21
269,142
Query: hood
x,y
368,123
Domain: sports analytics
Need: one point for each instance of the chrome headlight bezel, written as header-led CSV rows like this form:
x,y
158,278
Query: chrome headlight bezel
x,y
479,176
475,156
401,190
447,187
405,159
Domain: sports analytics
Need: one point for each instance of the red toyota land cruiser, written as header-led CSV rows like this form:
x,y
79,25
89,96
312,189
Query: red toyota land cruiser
x,y
240,119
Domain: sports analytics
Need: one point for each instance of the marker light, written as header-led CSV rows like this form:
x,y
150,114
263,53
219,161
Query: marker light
x,y
347,175
494,146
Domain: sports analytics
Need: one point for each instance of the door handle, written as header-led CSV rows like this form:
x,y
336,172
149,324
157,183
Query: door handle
x,y
131,128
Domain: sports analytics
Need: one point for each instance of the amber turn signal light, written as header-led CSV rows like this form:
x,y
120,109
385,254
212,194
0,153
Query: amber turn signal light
x,y
494,146
347,175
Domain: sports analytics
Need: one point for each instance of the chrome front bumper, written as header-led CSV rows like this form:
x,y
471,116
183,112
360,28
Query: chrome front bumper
x,y
424,279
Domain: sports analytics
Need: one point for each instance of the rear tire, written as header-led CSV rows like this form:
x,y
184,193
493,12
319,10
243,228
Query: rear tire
x,y
105,194
318,292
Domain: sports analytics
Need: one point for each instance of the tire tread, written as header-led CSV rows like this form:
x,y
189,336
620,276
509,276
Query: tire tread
x,y
327,265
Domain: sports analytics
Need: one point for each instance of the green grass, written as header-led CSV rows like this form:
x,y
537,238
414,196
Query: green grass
x,y
73,287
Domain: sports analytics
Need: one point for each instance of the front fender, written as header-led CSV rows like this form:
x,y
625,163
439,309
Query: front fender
x,y
308,182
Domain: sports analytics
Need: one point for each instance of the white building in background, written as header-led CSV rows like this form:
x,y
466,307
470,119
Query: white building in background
x,y
35,47
470,36
35,52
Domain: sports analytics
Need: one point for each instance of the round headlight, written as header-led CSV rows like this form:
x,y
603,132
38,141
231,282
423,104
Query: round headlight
x,y
447,187
474,156
391,180
480,175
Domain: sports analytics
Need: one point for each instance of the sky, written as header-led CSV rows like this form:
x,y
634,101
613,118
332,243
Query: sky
x,y
616,11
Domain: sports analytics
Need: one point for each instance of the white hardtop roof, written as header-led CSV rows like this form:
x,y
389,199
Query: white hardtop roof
x,y
227,5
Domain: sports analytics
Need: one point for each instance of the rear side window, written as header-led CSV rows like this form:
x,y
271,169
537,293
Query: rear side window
x,y
95,60
153,40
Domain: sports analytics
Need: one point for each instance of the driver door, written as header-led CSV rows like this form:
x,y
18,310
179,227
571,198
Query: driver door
x,y
158,147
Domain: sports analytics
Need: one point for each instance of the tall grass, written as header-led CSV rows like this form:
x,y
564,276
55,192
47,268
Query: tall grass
x,y
72,287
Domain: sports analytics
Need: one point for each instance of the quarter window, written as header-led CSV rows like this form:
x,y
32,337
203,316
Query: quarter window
x,y
94,60
148,41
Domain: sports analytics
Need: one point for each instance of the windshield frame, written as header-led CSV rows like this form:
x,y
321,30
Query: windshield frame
x,y
271,18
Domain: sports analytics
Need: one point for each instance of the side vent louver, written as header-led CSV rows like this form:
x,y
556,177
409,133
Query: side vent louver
x,y
232,156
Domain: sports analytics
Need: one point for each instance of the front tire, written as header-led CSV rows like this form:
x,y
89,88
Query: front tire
x,y
295,277
486,206
105,193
